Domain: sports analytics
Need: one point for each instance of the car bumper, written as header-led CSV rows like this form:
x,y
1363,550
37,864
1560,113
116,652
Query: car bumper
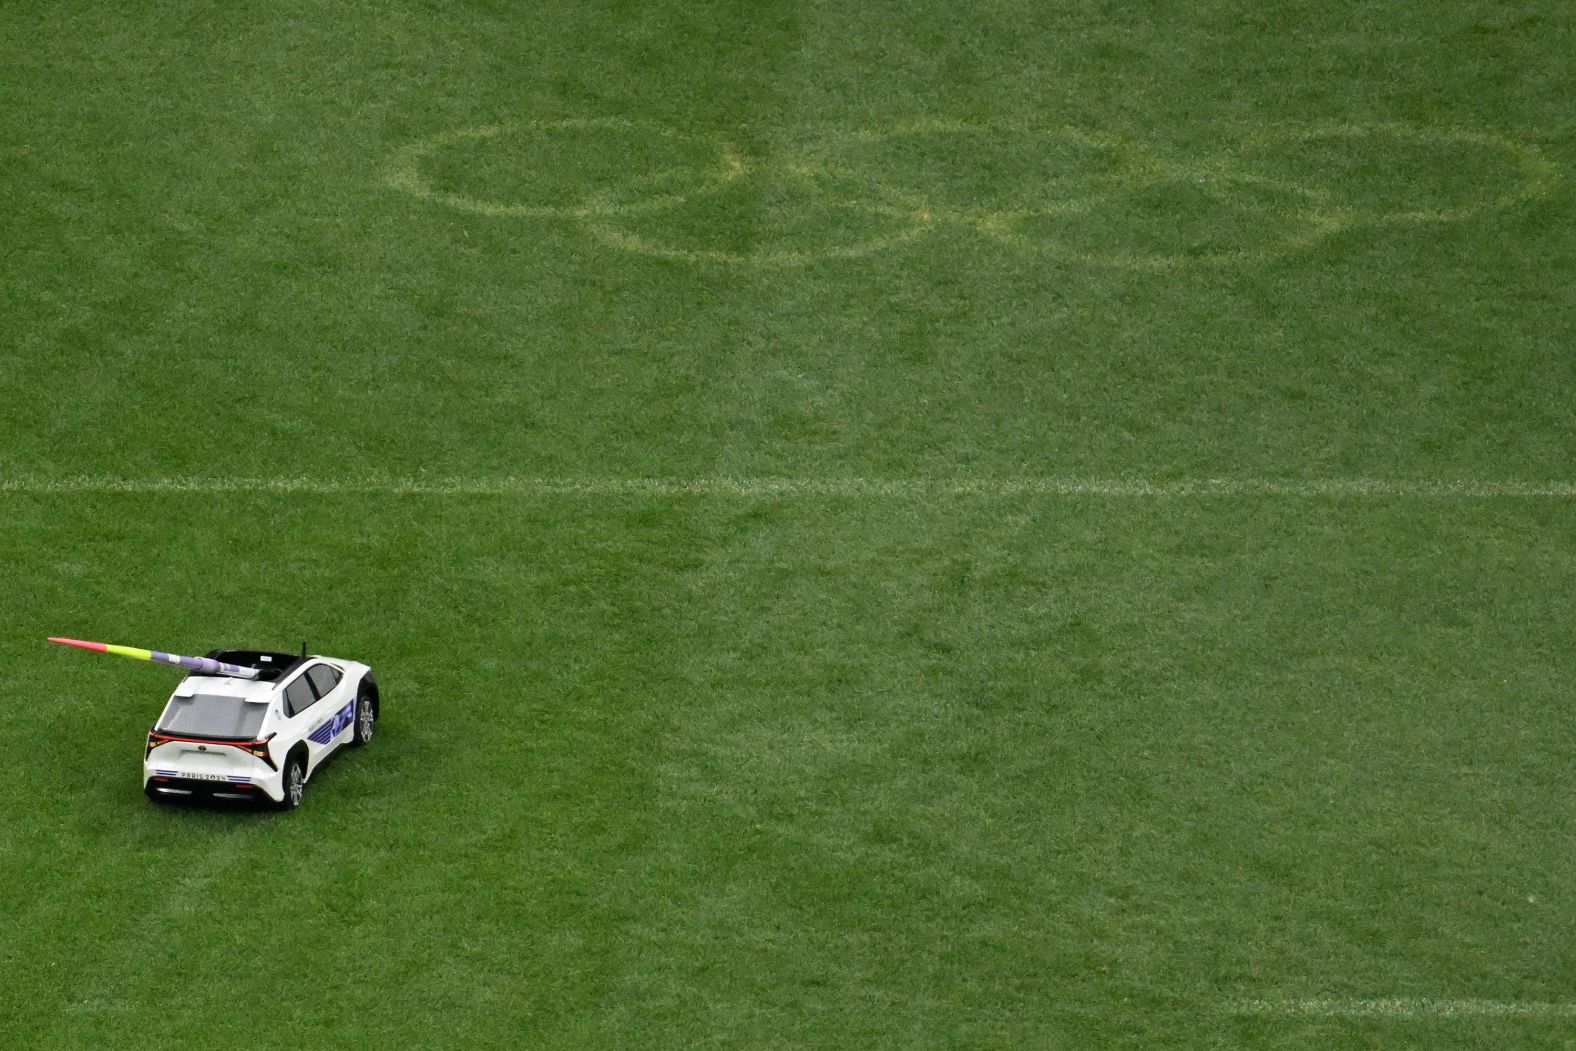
x,y
173,783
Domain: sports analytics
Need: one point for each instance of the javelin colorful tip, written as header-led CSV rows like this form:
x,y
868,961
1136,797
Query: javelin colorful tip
x,y
205,665
99,646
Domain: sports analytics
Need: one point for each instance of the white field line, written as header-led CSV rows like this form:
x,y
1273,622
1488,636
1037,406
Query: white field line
x,y
1405,1007
726,486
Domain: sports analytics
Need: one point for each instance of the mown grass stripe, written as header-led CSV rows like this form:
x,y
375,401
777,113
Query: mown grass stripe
x,y
725,486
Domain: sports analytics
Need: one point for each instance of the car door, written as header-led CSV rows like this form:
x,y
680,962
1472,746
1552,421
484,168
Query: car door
x,y
335,712
302,713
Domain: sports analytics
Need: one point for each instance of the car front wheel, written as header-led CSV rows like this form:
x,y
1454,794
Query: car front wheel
x,y
366,720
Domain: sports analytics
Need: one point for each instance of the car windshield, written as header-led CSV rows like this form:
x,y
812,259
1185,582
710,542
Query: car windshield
x,y
206,715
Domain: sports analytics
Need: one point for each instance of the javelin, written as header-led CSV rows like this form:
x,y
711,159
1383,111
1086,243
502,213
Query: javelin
x,y
205,665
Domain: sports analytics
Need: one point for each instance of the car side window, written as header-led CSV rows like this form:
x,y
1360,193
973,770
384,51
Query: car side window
x,y
324,679
298,697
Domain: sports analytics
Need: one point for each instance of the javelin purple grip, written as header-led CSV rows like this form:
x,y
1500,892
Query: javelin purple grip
x,y
206,665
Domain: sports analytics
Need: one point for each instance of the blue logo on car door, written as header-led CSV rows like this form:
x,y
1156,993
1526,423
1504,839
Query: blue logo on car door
x,y
332,729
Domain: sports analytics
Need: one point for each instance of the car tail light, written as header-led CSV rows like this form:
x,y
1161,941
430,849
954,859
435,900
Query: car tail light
x,y
260,749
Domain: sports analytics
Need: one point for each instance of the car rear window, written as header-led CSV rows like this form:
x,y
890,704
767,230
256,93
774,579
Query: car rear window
x,y
298,696
205,715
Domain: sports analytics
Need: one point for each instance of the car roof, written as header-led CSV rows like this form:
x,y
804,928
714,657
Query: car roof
x,y
276,668
271,665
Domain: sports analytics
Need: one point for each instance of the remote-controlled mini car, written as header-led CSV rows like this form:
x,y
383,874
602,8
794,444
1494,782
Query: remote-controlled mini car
x,y
252,724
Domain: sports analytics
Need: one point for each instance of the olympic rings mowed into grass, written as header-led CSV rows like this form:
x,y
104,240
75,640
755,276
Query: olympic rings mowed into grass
x,y
1314,219
811,182
1537,174
842,170
406,173
1124,158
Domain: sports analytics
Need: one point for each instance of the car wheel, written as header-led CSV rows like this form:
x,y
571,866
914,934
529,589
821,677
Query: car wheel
x,y
366,720
294,783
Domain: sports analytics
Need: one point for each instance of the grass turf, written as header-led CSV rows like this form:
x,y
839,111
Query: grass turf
x,y
800,770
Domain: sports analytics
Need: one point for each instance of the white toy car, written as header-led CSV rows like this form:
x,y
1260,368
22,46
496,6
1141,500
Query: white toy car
x,y
232,738
250,724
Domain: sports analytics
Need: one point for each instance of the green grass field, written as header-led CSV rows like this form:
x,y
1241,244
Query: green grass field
x,y
892,525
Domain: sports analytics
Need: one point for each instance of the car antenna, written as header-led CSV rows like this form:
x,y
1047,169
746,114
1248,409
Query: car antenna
x,y
303,649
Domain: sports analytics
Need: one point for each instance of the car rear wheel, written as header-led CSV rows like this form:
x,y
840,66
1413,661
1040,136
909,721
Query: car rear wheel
x,y
294,783
366,720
